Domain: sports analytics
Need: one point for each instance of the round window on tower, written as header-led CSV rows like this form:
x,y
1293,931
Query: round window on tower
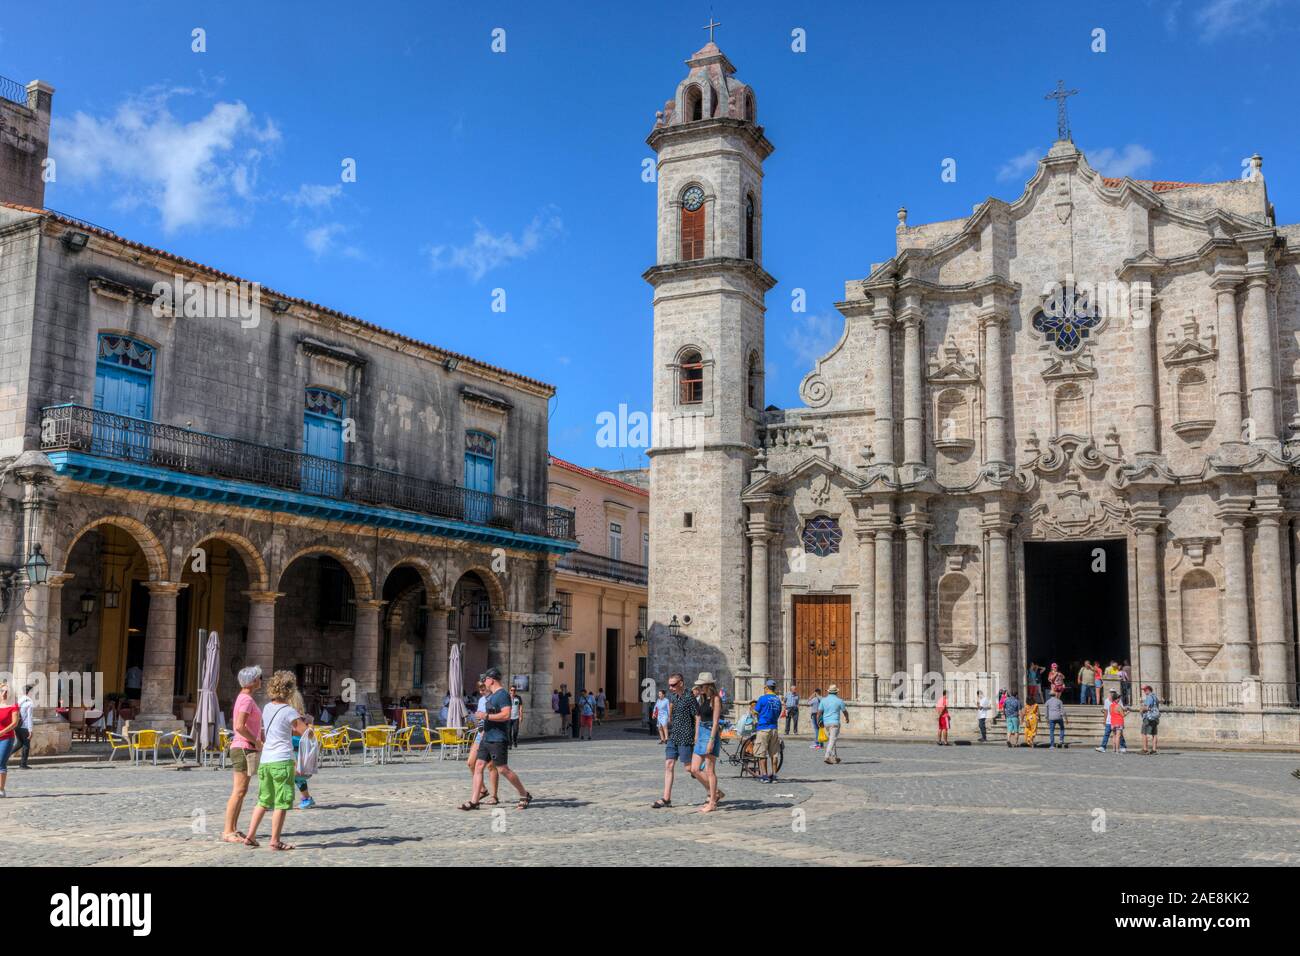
x,y
693,198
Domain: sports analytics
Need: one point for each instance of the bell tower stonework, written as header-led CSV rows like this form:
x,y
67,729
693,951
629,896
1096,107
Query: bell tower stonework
x,y
709,289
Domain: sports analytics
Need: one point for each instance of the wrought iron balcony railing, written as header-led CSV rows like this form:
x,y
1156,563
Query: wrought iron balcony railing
x,y
135,440
584,562
13,91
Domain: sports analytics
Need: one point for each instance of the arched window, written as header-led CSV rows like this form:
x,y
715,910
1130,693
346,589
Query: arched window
x,y
754,385
694,103
821,536
749,107
749,226
692,223
691,377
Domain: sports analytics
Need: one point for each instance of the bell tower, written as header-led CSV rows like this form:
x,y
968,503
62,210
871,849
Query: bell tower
x,y
709,290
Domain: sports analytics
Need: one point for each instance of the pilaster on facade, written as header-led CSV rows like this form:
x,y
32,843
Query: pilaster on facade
x,y
1233,512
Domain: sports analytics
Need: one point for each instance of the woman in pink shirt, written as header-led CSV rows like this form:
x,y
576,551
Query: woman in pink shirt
x,y
244,749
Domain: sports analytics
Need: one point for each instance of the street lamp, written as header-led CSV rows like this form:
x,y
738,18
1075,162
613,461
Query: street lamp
x,y
675,632
35,570
87,609
550,620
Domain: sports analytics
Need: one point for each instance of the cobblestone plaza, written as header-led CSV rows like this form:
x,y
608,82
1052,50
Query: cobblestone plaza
x,y
887,804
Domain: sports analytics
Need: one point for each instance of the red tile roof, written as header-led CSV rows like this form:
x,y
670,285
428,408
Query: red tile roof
x,y
101,231
1155,185
587,472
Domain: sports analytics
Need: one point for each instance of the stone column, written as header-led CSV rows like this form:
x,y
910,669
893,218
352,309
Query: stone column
x,y
882,367
999,589
498,655
1236,611
758,600
866,655
915,634
995,416
365,655
540,719
157,689
913,386
1151,649
1228,376
261,634
1270,617
1259,359
1146,435
436,658
886,659
51,734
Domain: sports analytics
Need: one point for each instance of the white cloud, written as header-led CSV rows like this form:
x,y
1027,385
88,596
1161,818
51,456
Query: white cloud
x,y
810,337
192,172
1019,167
1129,161
326,238
488,250
314,196
1223,18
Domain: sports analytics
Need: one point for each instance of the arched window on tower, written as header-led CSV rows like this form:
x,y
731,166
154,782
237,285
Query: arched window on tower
x,y
692,226
749,226
749,107
694,104
755,385
691,377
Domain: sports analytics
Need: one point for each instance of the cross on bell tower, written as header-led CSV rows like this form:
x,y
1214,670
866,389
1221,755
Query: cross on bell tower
x,y
710,26
1062,118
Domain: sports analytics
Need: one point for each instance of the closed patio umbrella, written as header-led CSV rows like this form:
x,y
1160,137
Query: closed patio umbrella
x,y
456,712
206,713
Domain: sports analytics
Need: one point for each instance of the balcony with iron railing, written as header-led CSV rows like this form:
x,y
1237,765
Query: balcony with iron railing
x,y
139,442
584,562
13,91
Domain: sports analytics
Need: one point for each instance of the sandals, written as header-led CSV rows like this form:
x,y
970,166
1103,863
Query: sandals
x,y
660,804
470,805
235,836
526,799
250,842
282,846
493,801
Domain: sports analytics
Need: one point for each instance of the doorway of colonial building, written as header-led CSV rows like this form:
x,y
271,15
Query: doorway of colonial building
x,y
823,643
1076,605
611,670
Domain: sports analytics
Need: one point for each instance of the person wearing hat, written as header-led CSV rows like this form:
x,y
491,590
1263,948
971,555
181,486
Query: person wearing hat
x,y
768,710
833,711
708,738
1150,720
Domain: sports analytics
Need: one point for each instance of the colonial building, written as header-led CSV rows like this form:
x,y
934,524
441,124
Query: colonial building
x,y
1057,428
601,587
192,453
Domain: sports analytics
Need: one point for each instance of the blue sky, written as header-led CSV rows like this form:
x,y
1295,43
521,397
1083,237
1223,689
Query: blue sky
x,y
522,170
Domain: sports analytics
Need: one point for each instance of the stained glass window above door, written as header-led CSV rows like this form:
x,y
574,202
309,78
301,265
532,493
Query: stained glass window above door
x,y
119,350
821,536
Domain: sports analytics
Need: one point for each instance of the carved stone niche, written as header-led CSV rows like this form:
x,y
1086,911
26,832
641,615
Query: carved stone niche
x,y
952,378
1191,360
1195,601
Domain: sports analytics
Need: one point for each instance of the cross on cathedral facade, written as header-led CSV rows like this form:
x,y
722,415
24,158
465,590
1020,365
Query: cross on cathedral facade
x,y
1060,94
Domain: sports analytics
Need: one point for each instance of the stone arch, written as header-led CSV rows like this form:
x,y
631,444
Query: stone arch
x,y
1199,610
154,555
259,576
433,585
496,591
957,622
1193,396
356,569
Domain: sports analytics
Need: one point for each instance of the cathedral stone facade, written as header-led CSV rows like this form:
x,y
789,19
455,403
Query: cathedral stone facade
x,y
1057,429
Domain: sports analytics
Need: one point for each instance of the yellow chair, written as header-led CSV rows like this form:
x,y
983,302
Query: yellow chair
x,y
376,739
334,746
143,741
116,742
399,743
422,740
181,744
451,742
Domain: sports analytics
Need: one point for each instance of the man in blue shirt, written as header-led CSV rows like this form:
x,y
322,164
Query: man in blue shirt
x,y
1011,710
768,709
833,710
791,710
495,745
1150,720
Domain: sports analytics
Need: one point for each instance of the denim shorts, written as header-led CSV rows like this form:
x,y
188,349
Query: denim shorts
x,y
675,751
6,748
702,744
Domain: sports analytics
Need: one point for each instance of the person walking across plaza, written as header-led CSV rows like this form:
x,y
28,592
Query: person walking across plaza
x,y
480,707
245,749
587,714
25,707
945,717
1150,721
791,710
1114,724
601,701
1098,683
305,799
275,769
768,710
1055,719
679,746
662,709
708,739
1011,712
565,702
815,716
495,746
982,711
1029,720
516,715
10,718
833,712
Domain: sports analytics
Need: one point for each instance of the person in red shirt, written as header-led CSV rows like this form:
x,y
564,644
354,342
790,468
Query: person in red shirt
x,y
9,719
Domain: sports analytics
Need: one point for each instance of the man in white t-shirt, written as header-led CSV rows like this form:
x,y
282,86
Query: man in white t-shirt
x,y
983,707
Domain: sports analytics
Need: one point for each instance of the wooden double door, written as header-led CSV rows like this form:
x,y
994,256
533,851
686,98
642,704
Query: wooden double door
x,y
823,643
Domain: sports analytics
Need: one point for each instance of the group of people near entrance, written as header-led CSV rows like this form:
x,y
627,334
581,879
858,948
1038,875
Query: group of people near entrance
x,y
1024,718
1041,683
